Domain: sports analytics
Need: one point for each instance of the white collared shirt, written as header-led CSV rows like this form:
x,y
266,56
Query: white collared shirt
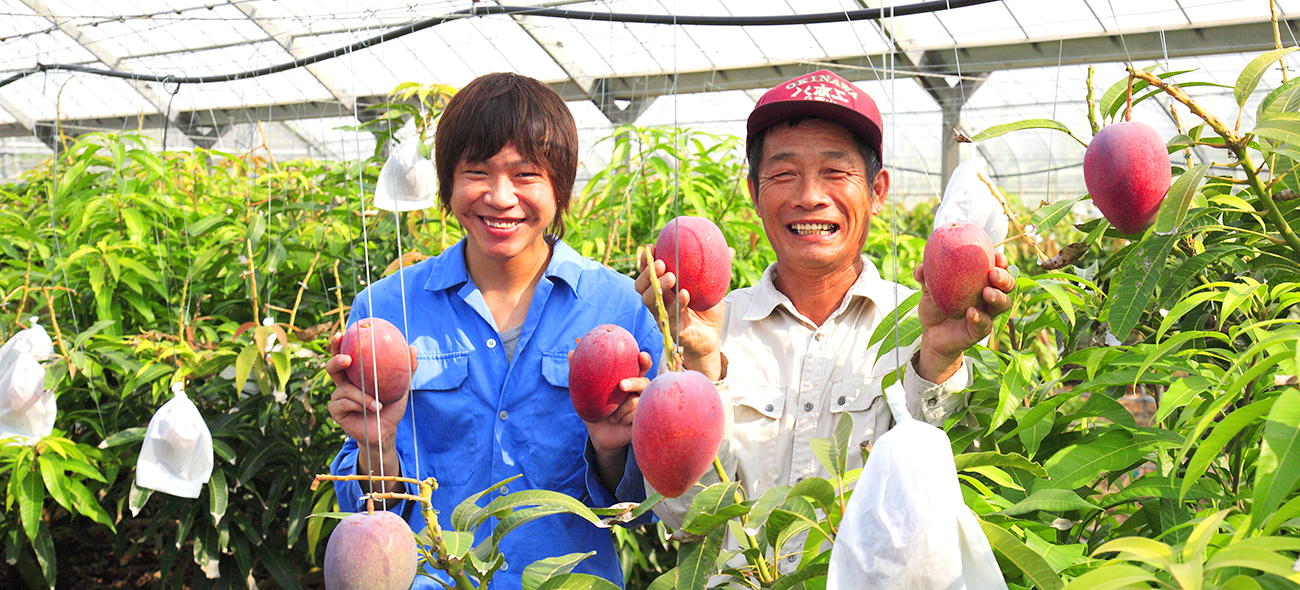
x,y
789,380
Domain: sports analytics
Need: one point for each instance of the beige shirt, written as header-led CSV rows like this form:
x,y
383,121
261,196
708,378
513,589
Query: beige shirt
x,y
789,380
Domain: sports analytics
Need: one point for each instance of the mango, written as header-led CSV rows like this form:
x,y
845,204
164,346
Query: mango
x,y
956,265
695,251
378,347
370,551
603,358
677,430
1127,171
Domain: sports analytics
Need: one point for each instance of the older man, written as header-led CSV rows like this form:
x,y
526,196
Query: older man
x,y
791,353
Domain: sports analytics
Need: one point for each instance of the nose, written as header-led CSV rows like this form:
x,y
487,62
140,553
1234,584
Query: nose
x,y
811,194
501,192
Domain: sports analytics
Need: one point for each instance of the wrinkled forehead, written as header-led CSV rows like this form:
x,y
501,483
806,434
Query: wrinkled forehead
x,y
810,137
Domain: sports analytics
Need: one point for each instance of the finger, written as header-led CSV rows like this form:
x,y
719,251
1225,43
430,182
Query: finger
x,y
1000,260
998,301
337,367
415,362
918,275
634,385
1002,280
623,414
645,362
336,342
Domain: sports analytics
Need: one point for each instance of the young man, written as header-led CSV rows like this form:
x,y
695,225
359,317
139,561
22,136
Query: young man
x,y
790,354
491,321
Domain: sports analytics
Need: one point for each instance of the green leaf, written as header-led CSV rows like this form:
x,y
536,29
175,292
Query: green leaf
x,y
1035,568
1116,96
521,517
1047,216
284,573
768,502
695,561
577,582
1254,72
967,461
1112,577
1202,534
1278,467
1208,450
1284,98
1078,464
458,542
83,500
1051,501
1135,283
505,504
243,365
1283,127
833,452
31,499
1011,391
55,480
539,571
467,511
903,310
43,545
218,498
1173,210
801,575
138,497
713,506
1003,129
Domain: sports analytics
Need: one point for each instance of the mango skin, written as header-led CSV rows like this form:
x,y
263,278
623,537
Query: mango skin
x,y
603,358
370,552
695,251
957,261
1127,171
677,430
377,343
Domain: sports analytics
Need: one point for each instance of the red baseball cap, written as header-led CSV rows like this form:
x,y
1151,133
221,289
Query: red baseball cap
x,y
823,94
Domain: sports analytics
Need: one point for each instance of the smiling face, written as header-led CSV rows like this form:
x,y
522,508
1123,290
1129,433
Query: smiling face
x,y
814,197
505,204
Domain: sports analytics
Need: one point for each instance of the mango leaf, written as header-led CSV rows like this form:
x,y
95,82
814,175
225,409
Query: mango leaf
x,y
1264,561
761,509
244,365
1047,216
833,452
1202,534
1154,486
1011,391
1116,96
31,498
1173,210
902,311
299,508
968,461
1283,127
1135,283
1051,501
505,504
1208,450
86,504
1278,467
1113,576
695,560
55,480
816,489
1078,464
468,509
1254,72
1284,98
43,545
282,570
800,576
138,497
998,130
1142,549
667,581
1035,568
542,570
458,542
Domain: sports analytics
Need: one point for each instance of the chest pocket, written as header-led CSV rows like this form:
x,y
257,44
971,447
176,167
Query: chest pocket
x,y
555,435
754,402
447,415
853,394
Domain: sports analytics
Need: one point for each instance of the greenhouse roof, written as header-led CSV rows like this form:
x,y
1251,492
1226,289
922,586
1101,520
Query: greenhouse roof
x,y
974,65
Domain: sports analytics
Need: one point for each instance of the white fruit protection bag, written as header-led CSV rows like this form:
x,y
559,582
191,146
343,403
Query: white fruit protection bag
x,y
906,525
176,457
27,410
967,199
407,182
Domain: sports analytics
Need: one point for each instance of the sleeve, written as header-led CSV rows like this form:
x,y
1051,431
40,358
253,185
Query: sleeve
x,y
934,402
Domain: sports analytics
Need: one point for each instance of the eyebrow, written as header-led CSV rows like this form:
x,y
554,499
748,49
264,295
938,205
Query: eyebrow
x,y
828,154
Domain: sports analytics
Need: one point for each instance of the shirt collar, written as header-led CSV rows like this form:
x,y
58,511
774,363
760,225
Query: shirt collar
x,y
869,285
449,268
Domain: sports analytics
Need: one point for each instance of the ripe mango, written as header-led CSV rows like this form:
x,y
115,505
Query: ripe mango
x,y
378,346
677,430
695,251
957,261
1127,171
603,358
370,551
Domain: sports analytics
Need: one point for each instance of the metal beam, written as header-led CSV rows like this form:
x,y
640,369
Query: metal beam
x,y
1206,39
285,41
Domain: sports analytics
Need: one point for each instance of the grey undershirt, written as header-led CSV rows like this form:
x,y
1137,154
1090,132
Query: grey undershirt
x,y
509,340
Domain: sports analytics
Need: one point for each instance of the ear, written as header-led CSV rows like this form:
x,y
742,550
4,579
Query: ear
x,y
879,190
753,192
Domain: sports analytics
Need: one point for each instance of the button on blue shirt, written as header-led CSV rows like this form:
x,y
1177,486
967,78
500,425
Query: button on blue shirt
x,y
476,418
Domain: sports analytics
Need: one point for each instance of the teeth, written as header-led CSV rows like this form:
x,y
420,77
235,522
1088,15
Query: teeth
x,y
500,224
813,229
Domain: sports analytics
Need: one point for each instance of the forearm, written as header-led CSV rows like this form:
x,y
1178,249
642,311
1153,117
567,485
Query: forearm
x,y
935,366
712,365
610,465
374,461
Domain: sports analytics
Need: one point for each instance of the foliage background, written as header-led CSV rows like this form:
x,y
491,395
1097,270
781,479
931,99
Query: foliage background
x,y
228,271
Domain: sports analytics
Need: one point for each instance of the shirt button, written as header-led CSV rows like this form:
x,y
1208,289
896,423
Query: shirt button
x,y
505,566
819,336
840,401
504,414
505,490
932,402
798,479
808,407
492,343
792,558
769,408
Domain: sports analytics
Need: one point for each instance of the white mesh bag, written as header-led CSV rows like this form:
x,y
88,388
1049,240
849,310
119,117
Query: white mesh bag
x,y
967,198
407,181
906,525
27,410
176,457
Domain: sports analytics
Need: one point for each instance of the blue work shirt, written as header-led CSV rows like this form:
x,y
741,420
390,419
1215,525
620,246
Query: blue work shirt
x,y
479,419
